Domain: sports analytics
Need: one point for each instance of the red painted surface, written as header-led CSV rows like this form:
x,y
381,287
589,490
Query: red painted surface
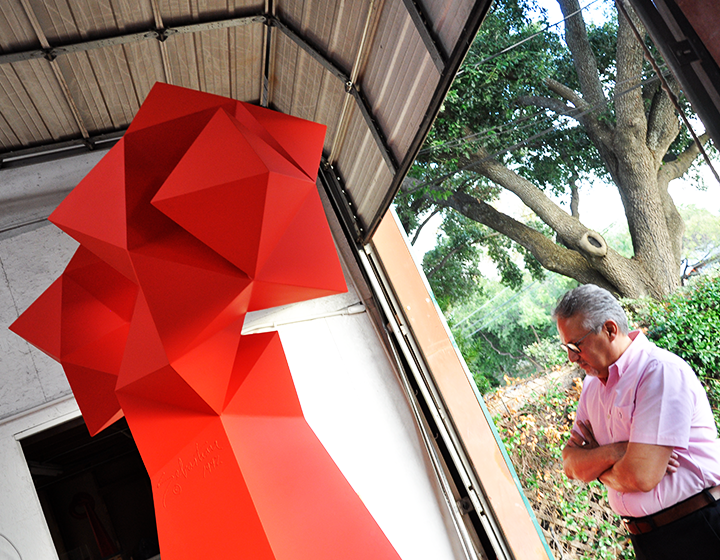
x,y
205,210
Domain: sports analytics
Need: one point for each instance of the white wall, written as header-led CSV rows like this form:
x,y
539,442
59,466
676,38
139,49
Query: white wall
x,y
29,263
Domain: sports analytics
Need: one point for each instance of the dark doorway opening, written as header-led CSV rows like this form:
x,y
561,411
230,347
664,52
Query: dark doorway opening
x,y
94,491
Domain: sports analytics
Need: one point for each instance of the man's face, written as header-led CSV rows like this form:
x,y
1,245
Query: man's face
x,y
595,354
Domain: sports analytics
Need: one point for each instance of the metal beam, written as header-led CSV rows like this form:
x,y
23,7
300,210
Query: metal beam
x,y
378,135
432,44
350,88
374,127
57,150
124,38
688,58
467,35
341,201
313,51
216,24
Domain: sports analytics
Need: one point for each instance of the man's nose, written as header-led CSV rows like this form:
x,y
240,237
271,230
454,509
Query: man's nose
x,y
572,356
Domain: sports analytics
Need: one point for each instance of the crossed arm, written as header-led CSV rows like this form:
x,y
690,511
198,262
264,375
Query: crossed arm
x,y
622,466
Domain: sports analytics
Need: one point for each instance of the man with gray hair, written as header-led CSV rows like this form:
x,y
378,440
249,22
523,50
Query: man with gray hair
x,y
644,428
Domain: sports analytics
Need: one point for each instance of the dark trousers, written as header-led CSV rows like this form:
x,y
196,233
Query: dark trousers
x,y
694,537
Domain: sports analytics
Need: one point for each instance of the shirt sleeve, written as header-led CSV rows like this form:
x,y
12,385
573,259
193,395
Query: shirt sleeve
x,y
664,405
582,411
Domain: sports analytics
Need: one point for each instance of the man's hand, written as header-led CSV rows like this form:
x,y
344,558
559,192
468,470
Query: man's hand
x,y
634,467
585,439
584,458
673,464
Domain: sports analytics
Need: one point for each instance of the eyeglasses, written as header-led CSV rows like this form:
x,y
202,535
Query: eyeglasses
x,y
575,346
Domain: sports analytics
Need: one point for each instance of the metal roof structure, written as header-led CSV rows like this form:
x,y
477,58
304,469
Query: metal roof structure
x,y
74,72
686,32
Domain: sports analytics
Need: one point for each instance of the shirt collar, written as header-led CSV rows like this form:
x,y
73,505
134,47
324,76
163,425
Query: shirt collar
x,y
639,341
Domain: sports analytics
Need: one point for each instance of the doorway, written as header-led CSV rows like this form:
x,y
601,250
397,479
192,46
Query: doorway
x,y
94,491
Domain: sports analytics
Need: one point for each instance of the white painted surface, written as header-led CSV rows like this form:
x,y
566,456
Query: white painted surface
x,y
29,194
34,393
29,263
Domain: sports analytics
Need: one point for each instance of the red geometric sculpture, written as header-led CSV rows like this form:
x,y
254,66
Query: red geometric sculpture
x,y
205,210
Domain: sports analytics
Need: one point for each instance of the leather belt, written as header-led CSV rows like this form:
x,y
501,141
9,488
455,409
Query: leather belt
x,y
640,525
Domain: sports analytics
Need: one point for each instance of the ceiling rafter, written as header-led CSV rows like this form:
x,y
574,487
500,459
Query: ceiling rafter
x,y
447,75
157,16
432,44
350,88
37,28
369,30
50,53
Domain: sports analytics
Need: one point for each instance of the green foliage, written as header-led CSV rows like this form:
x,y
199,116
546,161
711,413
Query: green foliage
x,y
546,353
502,106
503,333
688,324
452,266
484,108
701,240
618,237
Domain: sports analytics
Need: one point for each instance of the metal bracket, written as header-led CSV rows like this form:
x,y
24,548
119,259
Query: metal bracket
x,y
685,53
341,200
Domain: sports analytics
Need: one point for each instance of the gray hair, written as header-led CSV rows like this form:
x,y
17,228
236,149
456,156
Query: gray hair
x,y
595,304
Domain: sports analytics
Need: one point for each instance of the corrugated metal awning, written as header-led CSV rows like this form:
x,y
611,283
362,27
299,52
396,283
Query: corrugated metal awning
x,y
74,72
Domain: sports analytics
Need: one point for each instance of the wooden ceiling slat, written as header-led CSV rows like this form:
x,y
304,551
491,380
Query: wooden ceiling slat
x,y
246,62
8,138
183,63
145,66
19,110
56,20
93,17
114,80
106,57
51,104
15,30
85,91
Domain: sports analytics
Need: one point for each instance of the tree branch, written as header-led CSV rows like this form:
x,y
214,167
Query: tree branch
x,y
568,228
419,229
567,93
552,256
663,124
600,133
629,107
677,168
554,105
574,199
585,63
445,259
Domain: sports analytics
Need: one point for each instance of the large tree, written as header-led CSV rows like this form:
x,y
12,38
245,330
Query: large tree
x,y
543,118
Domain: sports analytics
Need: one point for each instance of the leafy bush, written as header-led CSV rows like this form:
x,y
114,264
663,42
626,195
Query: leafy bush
x,y
687,324
505,333
547,353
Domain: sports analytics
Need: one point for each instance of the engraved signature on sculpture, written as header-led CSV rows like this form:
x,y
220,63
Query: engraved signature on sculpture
x,y
205,458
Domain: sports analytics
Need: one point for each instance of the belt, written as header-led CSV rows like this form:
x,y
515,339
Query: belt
x,y
640,525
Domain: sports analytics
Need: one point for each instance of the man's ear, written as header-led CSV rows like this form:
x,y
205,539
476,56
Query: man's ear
x,y
611,328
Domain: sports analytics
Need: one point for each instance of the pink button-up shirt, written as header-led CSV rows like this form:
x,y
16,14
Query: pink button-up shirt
x,y
653,396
